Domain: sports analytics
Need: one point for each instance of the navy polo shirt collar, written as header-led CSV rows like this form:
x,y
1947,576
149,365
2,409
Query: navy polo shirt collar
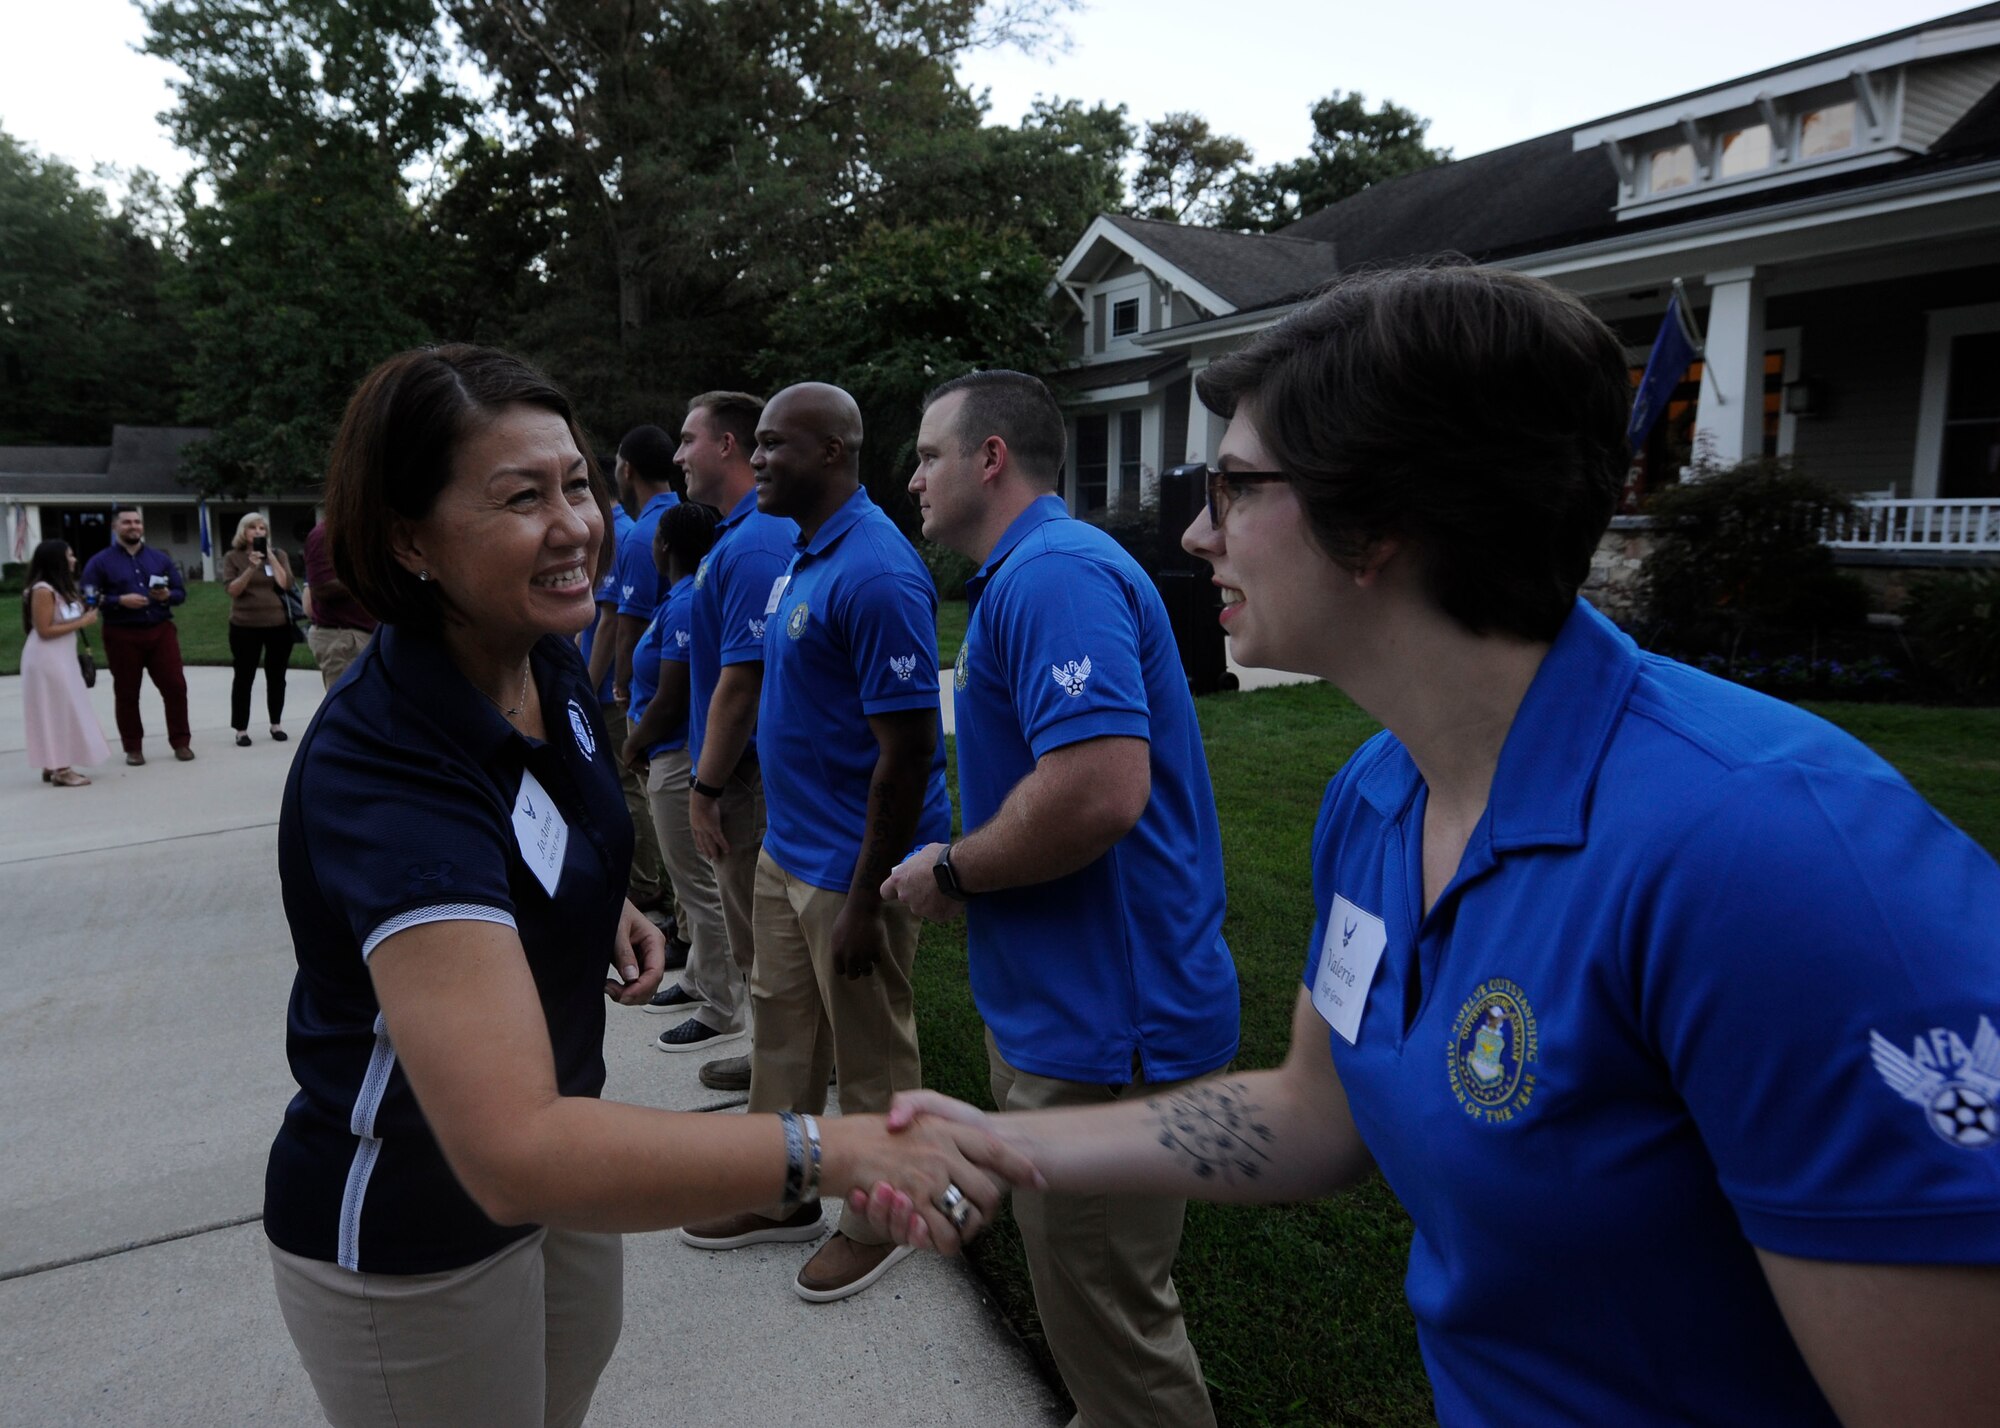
x,y
1560,735
422,667
838,524
1039,512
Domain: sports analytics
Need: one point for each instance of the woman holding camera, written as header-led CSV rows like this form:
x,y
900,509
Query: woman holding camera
x,y
260,628
61,726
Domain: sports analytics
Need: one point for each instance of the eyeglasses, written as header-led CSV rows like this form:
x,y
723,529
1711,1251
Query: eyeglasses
x,y
1226,486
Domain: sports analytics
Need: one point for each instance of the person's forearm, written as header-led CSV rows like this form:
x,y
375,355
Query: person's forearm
x,y
732,719
603,646
895,804
1040,833
629,628
652,726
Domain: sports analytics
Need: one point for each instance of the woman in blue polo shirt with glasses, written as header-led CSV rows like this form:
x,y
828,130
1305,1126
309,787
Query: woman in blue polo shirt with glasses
x,y
1667,1010
444,1198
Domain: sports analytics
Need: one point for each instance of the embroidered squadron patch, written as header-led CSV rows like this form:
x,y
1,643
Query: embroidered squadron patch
x,y
1957,1087
1494,1051
960,672
903,666
579,725
1072,675
756,629
801,616
701,572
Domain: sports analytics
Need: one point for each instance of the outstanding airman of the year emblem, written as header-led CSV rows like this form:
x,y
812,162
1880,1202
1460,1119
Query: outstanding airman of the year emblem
x,y
801,615
1494,1052
959,669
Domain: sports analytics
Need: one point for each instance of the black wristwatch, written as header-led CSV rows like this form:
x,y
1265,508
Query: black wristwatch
x,y
706,790
947,876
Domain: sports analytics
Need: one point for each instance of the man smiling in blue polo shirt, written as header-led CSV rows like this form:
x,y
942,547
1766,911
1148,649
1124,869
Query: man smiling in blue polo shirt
x,y
852,750
1090,873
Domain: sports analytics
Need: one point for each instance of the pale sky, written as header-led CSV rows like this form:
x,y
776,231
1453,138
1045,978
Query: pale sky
x,y
1486,74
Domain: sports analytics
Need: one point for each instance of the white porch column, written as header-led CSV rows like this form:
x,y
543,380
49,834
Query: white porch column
x,y
1729,418
1205,428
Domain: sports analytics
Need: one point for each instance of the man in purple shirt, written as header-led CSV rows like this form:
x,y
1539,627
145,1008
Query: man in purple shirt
x,y
341,625
137,587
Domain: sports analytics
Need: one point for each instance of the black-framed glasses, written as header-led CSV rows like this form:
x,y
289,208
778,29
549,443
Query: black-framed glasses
x,y
1225,486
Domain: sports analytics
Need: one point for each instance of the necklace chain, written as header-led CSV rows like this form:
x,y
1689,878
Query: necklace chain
x,y
522,703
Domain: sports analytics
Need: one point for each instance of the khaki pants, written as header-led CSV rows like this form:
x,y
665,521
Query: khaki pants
x,y
736,875
335,649
1102,1267
649,879
809,1018
515,1341
710,972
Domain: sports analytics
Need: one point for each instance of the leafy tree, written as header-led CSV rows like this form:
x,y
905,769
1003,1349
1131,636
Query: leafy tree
x,y
86,339
1352,148
1185,167
903,309
310,120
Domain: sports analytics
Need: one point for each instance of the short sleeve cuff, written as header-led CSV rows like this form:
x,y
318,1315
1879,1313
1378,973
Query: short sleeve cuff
x,y
436,912
1091,724
898,703
743,654
1943,1236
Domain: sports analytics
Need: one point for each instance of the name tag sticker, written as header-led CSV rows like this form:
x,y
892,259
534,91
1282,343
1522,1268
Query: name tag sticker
x,y
541,832
1347,962
777,593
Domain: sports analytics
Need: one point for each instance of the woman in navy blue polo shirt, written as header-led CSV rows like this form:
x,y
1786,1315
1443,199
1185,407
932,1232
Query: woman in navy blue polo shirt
x,y
1667,1010
444,1198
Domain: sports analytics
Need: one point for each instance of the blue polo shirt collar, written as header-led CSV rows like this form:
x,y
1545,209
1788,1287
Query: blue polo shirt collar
x,y
1549,764
661,502
1040,512
738,513
838,524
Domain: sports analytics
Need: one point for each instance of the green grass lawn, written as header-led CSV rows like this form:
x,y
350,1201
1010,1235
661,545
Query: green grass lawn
x,y
1298,1311
952,615
203,622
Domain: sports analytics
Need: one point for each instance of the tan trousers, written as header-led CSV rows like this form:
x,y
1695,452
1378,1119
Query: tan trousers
x,y
710,971
736,874
649,878
1102,1267
334,650
809,1018
515,1341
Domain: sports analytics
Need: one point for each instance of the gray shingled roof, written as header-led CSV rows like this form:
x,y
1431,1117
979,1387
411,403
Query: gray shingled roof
x,y
141,461
1099,375
1244,269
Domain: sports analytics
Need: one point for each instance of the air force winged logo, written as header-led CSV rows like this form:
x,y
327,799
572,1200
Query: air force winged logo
x,y
903,666
680,639
1072,675
756,629
1957,1087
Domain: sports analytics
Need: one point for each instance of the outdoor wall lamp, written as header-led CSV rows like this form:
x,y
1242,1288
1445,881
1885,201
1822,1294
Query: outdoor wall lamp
x,y
1804,397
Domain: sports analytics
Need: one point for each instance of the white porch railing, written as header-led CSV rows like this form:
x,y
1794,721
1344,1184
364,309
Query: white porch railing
x,y
1928,526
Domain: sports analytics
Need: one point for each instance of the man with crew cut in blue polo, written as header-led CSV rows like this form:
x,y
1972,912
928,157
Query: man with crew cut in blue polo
x,y
1090,874
852,749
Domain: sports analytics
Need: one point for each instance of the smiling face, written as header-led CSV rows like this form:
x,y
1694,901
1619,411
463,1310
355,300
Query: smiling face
x,y
513,538
1284,600
130,528
946,481
790,461
703,455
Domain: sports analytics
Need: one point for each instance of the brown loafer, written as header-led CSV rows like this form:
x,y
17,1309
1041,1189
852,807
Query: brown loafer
x,y
736,1231
135,758
184,754
843,1268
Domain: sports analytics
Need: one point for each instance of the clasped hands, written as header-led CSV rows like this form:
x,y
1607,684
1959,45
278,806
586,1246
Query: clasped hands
x,y
927,1142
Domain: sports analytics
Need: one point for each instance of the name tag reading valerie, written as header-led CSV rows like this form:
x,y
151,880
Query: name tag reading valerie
x,y
1347,962
541,832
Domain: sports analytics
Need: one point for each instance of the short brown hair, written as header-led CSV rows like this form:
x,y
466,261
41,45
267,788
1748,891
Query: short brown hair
x,y
1017,408
1477,413
736,413
393,456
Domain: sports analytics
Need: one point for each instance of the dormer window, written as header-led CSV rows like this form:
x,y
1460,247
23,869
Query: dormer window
x,y
1672,168
1746,151
1125,317
1827,131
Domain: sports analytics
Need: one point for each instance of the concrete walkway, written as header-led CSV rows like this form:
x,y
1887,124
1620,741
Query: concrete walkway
x,y
144,969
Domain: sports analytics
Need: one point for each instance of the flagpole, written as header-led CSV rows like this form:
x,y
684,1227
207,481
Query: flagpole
x,y
1684,314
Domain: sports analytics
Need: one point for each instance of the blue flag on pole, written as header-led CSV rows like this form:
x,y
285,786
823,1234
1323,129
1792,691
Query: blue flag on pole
x,y
1673,350
202,508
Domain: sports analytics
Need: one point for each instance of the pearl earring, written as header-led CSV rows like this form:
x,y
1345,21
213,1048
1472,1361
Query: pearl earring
x,y
423,575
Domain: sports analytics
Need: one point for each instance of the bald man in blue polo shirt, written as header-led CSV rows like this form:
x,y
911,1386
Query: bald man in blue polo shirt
x,y
852,748
1090,874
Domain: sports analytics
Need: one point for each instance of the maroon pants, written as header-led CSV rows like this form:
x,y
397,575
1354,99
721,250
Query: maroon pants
x,y
153,650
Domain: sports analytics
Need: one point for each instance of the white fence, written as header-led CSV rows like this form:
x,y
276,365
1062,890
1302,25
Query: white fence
x,y
1927,526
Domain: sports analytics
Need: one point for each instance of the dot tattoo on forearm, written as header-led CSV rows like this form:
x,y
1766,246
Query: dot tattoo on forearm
x,y
1217,1131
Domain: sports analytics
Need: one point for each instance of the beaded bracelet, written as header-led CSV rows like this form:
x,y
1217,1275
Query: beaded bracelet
x,y
795,1162
811,1194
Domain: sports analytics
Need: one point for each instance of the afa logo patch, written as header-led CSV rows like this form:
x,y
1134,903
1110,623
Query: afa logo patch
x,y
579,725
960,667
903,666
1956,1086
756,629
801,616
1494,1052
1072,675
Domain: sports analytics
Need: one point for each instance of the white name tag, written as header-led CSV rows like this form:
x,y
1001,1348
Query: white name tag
x,y
541,831
1347,962
777,593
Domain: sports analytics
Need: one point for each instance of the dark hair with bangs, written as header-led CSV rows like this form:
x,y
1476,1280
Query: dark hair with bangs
x,y
735,413
1017,408
393,456
1477,413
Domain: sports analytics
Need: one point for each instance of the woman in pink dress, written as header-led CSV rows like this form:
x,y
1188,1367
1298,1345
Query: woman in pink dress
x,y
61,725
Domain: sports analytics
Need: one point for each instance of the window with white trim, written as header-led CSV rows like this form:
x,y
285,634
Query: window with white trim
x,y
1125,317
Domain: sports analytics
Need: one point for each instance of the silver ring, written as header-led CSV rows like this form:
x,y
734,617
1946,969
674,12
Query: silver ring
x,y
955,1206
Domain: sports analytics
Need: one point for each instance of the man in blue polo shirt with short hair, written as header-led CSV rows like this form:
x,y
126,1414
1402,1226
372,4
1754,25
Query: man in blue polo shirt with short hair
x,y
852,752
1089,874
